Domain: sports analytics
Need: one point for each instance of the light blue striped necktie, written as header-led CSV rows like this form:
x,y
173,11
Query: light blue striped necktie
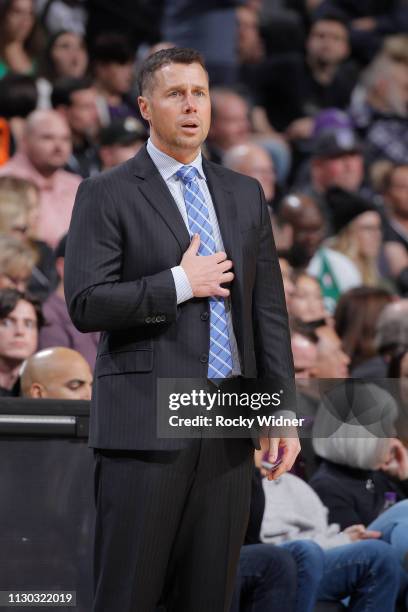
x,y
220,358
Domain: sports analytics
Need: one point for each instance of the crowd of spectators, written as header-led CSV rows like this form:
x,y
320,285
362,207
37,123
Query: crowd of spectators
x,y
309,97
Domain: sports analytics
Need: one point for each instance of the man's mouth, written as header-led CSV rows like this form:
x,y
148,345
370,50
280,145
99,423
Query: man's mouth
x,y
190,125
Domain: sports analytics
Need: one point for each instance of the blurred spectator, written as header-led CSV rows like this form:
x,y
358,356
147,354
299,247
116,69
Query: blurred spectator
x,y
58,329
56,15
331,361
356,471
20,320
120,141
356,318
307,301
327,76
355,562
398,369
15,220
293,87
16,263
356,224
210,27
19,37
113,68
65,57
252,160
337,162
232,125
287,278
379,109
46,150
304,349
335,272
395,194
75,99
18,98
370,21
56,373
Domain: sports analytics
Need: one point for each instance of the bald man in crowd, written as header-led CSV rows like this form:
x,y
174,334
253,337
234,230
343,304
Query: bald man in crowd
x,y
45,149
56,373
252,160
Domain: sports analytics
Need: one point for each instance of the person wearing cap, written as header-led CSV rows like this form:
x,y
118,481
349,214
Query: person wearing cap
x,y
59,329
120,141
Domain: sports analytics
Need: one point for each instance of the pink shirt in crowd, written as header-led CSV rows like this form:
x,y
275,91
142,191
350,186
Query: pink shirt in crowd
x,y
57,195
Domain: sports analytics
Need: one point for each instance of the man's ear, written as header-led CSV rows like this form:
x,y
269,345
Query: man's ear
x,y
37,391
144,107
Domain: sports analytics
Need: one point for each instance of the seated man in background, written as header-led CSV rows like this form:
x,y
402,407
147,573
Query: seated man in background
x,y
56,373
45,149
20,320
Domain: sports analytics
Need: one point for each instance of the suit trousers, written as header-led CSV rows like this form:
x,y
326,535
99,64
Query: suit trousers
x,y
170,525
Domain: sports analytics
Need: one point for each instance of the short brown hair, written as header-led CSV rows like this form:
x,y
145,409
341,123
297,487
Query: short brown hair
x,y
164,57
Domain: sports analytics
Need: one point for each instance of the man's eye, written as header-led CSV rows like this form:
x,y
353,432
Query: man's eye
x,y
174,93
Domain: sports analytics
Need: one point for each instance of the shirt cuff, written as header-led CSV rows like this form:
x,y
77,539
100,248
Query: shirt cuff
x,y
183,287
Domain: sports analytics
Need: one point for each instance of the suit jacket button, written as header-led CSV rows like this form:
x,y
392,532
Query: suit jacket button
x,y
204,316
162,318
204,358
148,320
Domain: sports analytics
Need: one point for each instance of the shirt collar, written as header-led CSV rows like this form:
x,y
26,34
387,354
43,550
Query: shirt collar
x,y
168,166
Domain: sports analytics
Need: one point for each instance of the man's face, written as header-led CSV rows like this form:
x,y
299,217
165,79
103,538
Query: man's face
x,y
259,165
230,125
308,231
397,194
73,382
178,109
345,171
328,42
116,78
304,356
18,333
332,361
48,144
82,114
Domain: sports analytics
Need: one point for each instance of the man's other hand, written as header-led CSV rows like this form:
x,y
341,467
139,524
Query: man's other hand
x,y
206,273
291,449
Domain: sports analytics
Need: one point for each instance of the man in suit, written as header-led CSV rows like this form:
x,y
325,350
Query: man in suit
x,y
151,247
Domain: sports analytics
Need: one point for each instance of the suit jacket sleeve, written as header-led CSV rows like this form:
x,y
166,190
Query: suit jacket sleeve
x,y
272,337
97,298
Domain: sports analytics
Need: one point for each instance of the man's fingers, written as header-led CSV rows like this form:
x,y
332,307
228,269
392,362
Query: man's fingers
x,y
226,265
220,256
194,244
221,292
292,448
227,277
273,450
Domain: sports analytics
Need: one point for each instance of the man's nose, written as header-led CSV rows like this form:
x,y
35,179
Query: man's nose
x,y
190,103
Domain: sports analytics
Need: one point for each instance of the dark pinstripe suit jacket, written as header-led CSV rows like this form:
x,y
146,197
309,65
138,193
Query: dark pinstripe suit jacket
x,y
125,235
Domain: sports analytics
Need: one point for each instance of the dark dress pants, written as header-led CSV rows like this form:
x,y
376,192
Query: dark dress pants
x,y
169,526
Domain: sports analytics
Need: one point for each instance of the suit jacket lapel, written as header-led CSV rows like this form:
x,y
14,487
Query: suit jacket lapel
x,y
156,192
227,214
